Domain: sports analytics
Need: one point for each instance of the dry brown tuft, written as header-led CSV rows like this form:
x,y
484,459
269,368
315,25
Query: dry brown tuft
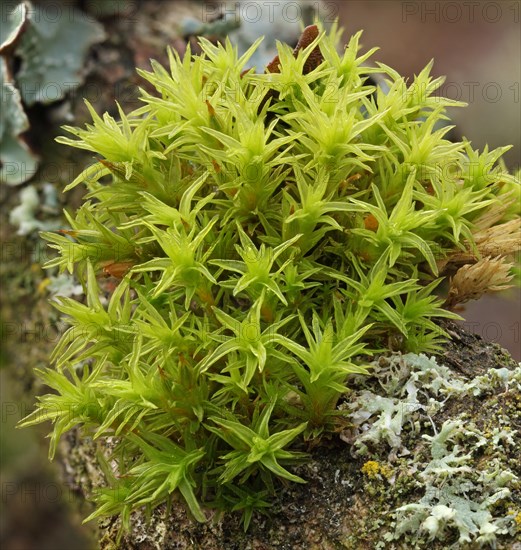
x,y
472,281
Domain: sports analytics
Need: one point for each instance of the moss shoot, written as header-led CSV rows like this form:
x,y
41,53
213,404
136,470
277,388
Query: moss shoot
x,y
268,233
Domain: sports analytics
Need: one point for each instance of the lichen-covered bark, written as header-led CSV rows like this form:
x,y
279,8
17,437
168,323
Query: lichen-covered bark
x,y
348,500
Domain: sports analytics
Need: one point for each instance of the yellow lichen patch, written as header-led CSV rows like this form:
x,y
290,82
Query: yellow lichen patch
x,y
517,519
372,469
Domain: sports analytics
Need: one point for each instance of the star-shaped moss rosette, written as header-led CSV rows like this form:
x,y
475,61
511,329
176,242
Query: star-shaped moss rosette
x,y
270,231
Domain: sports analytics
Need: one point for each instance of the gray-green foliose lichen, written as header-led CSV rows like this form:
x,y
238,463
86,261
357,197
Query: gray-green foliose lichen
x,y
42,59
467,482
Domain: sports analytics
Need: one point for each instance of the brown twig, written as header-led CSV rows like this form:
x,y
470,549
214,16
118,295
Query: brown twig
x,y
315,58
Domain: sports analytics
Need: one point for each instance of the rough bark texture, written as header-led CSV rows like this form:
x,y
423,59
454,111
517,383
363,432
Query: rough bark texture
x,y
340,507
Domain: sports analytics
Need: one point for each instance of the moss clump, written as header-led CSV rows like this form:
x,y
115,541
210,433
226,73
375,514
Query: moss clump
x,y
268,230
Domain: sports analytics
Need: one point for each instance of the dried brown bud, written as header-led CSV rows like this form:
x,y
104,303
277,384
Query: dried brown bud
x,y
472,281
306,38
